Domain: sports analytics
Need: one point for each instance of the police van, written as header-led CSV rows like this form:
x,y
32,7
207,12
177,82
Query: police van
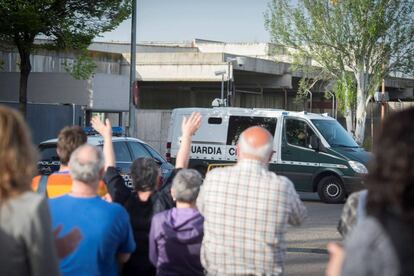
x,y
313,150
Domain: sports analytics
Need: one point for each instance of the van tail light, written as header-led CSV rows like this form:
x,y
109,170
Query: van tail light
x,y
168,153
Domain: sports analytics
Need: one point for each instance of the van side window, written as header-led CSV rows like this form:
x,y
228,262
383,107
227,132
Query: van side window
x,y
237,124
298,132
214,121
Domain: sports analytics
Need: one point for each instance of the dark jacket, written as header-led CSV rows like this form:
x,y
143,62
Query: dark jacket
x,y
140,214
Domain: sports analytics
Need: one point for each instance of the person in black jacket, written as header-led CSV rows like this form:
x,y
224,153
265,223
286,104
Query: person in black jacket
x,y
144,201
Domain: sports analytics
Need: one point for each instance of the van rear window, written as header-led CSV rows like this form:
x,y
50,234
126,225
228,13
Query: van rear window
x,y
237,124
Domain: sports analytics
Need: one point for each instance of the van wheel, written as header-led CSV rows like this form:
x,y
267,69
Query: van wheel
x,y
331,189
202,170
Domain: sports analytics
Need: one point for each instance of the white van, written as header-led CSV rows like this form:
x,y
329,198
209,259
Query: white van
x,y
314,151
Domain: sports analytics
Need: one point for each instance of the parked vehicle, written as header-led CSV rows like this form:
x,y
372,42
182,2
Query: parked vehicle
x,y
314,151
127,149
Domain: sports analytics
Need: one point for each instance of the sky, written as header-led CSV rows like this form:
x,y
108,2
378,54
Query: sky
x,y
184,20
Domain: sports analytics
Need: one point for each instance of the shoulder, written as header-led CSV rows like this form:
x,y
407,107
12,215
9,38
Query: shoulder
x,y
36,179
367,230
60,199
161,216
31,200
30,205
369,237
219,171
112,206
282,182
369,249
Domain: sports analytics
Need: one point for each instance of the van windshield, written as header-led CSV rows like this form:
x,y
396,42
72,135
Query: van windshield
x,y
334,133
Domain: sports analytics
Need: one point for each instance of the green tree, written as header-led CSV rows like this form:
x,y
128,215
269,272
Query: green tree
x,y
67,24
368,38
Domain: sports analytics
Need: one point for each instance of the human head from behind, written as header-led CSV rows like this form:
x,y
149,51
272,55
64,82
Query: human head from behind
x,y
255,143
390,181
186,186
87,165
69,139
145,174
17,154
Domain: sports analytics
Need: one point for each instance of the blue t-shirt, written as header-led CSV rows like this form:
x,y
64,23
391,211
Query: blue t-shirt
x,y
105,228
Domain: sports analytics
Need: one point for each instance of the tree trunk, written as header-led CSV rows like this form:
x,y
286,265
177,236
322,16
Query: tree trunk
x,y
25,69
361,113
348,112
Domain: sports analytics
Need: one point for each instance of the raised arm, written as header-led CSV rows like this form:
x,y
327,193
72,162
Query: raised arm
x,y
113,180
105,129
188,127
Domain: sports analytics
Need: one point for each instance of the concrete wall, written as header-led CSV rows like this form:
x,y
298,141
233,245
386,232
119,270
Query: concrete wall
x,y
110,92
102,92
121,48
45,88
152,127
51,61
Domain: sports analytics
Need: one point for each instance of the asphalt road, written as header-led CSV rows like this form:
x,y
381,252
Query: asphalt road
x,y
306,253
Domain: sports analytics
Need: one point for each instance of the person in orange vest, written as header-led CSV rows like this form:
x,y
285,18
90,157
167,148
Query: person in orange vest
x,y
60,182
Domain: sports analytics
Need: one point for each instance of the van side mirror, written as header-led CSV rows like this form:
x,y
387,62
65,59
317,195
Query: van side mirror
x,y
315,143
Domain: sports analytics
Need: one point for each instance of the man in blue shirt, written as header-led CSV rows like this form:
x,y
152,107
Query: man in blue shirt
x,y
105,227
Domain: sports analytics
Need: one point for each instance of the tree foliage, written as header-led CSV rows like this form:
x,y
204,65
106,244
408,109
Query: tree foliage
x,y
369,38
67,24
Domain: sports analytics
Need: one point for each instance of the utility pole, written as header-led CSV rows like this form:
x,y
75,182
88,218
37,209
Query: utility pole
x,y
131,130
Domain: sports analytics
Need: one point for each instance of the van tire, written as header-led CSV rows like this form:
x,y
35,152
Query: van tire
x,y
331,189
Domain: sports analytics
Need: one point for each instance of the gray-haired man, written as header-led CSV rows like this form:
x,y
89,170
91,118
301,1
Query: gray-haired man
x,y
247,209
176,234
105,227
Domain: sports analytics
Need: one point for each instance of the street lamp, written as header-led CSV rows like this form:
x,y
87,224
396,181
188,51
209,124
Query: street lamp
x,y
229,61
239,62
221,73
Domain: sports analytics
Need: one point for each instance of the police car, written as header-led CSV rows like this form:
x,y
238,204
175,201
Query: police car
x,y
313,150
126,149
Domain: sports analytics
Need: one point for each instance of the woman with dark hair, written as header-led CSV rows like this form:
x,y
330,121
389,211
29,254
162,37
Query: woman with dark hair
x,y
139,204
382,244
145,175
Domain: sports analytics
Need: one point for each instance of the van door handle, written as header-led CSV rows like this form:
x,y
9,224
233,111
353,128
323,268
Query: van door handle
x,y
286,152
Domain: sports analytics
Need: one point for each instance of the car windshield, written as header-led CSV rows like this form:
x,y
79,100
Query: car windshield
x,y
334,133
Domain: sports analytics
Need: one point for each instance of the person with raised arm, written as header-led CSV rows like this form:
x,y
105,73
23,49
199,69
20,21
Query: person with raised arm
x,y
143,201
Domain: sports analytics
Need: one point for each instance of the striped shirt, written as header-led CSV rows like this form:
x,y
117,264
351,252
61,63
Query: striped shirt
x,y
247,210
60,183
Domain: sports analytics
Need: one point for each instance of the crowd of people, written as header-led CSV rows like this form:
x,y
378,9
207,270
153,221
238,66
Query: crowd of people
x,y
84,220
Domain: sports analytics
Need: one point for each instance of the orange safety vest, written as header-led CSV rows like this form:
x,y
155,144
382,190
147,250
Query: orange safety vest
x,y
61,183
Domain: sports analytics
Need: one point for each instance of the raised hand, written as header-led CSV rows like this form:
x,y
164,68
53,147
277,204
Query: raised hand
x,y
190,125
105,129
